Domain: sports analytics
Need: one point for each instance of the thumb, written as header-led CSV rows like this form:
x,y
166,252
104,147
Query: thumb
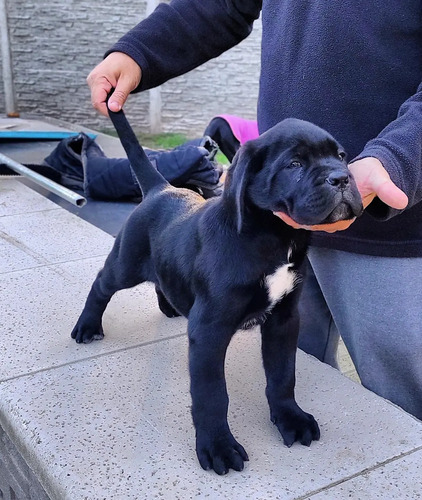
x,y
389,193
373,180
120,94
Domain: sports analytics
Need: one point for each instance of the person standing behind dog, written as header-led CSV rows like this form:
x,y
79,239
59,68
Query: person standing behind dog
x,y
354,69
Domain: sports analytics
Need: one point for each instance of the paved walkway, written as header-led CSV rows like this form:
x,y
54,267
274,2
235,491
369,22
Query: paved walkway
x,y
111,420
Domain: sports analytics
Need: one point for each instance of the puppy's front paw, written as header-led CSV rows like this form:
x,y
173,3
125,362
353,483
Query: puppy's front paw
x,y
86,330
296,425
220,453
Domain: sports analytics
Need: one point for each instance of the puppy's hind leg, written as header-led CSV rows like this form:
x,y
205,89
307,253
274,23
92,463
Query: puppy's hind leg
x,y
120,271
89,325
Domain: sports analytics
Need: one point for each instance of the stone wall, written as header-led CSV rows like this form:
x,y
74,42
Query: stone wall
x,y
56,43
17,481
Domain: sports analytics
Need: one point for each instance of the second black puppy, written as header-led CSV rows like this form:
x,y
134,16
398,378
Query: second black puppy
x,y
228,264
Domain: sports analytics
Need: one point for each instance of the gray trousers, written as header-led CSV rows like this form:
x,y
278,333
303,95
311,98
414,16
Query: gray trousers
x,y
375,304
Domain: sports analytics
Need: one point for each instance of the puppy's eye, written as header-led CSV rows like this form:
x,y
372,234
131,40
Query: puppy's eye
x,y
295,164
342,155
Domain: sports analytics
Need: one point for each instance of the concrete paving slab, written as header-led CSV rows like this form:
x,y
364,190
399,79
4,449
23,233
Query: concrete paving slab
x,y
69,237
41,305
111,420
41,300
382,483
33,124
16,198
13,256
119,427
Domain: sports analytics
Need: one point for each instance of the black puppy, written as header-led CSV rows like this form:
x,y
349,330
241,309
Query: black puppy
x,y
229,264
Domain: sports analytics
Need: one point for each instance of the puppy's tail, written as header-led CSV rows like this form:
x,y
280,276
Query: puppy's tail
x,y
147,175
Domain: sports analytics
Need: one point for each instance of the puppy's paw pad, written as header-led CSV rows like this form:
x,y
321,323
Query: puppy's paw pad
x,y
95,336
86,337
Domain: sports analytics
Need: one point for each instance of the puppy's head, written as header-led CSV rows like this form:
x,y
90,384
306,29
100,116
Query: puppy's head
x,y
296,168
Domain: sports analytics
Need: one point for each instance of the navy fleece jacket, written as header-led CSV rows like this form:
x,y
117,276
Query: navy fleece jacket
x,y
353,68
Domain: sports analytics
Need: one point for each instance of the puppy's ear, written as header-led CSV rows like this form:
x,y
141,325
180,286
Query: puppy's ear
x,y
238,177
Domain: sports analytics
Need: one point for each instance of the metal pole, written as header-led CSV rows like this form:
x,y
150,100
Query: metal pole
x,y
9,91
53,187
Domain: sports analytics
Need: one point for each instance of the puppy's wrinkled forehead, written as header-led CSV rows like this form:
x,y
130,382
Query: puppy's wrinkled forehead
x,y
302,138
317,149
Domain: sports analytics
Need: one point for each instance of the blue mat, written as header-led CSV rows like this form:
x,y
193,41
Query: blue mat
x,y
38,135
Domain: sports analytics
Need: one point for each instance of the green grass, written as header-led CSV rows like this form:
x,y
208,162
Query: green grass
x,y
222,159
155,141
165,141
162,141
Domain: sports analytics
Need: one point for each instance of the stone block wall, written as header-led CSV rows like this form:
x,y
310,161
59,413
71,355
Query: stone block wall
x,y
56,43
17,481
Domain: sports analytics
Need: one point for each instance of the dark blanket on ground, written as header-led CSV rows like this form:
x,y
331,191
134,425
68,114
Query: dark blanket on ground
x,y
80,164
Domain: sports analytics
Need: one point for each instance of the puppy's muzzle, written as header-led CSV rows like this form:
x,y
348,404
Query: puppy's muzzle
x,y
346,198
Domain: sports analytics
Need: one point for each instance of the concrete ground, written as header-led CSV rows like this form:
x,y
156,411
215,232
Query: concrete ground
x,y
111,420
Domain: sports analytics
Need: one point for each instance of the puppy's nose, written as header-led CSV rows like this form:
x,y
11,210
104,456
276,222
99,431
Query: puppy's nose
x,y
338,179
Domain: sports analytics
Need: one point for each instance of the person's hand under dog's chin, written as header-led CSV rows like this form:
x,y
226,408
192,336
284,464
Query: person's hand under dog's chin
x,y
328,228
372,180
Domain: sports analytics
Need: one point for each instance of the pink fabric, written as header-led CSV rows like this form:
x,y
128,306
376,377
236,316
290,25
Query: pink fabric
x,y
243,130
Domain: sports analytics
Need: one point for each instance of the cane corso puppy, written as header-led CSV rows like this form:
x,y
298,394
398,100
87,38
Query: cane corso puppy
x,y
229,263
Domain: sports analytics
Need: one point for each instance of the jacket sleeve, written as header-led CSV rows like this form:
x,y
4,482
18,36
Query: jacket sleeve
x,y
399,148
183,34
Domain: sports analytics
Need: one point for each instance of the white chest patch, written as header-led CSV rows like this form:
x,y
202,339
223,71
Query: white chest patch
x,y
280,283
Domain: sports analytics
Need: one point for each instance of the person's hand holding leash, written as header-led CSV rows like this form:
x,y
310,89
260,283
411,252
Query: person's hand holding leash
x,y
372,180
118,71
